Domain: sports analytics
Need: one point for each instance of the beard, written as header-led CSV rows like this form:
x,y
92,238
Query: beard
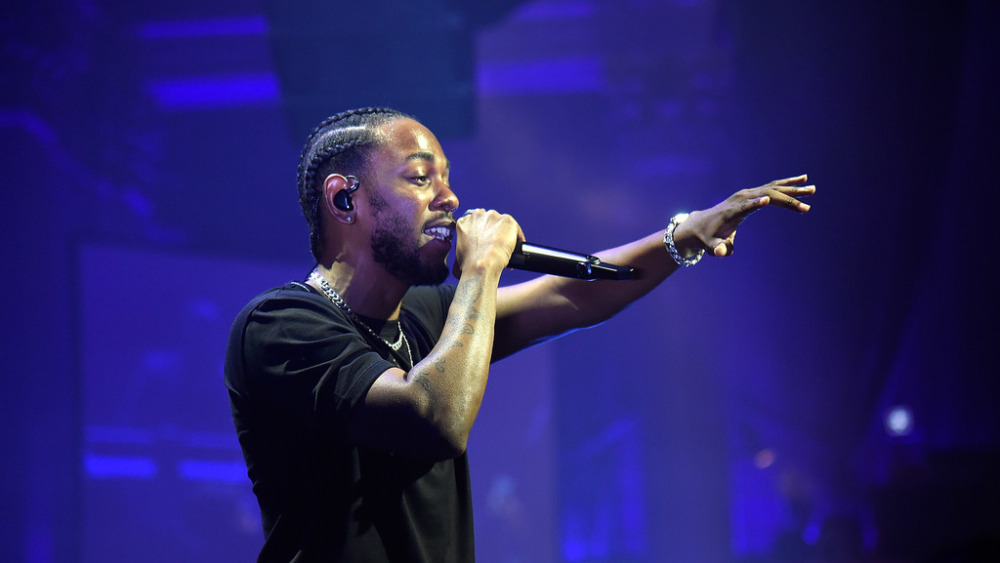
x,y
394,247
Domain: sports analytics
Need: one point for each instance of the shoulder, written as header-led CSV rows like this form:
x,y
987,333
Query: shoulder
x,y
290,310
293,329
296,352
292,300
293,294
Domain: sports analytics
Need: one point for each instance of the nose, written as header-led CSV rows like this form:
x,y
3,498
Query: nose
x,y
446,199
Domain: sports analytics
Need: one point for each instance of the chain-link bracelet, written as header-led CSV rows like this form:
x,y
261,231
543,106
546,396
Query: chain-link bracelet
x,y
668,241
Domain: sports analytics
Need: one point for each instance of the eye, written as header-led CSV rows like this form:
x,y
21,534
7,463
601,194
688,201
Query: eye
x,y
421,180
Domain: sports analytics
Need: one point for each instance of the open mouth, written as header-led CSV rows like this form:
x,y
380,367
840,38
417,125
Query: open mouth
x,y
440,233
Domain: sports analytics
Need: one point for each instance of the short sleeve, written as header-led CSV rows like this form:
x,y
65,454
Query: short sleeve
x,y
304,361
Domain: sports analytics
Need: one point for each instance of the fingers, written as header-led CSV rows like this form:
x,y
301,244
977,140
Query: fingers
x,y
752,205
478,216
725,247
794,180
788,202
486,238
489,226
797,191
720,221
485,218
789,189
785,196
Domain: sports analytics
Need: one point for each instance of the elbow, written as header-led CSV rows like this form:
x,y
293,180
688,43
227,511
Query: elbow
x,y
450,446
445,431
440,446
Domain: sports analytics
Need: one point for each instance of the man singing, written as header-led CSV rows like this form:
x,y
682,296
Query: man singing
x,y
354,391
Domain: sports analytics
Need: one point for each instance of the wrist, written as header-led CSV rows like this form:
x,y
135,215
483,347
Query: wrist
x,y
487,267
677,240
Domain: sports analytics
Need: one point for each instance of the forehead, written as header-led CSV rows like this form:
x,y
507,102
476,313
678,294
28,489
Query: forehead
x,y
406,140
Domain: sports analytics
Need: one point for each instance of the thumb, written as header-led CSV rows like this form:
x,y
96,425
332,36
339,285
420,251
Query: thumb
x,y
722,247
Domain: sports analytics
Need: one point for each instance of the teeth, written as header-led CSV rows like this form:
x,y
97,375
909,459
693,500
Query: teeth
x,y
441,233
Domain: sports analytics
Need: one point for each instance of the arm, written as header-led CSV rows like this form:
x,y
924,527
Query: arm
x,y
549,306
428,412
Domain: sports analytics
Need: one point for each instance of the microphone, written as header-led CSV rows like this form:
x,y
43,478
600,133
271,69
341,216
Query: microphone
x,y
548,260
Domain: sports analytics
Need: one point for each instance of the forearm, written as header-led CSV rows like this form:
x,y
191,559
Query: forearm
x,y
453,375
586,303
548,306
652,264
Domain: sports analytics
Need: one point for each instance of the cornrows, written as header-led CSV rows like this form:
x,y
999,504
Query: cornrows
x,y
340,143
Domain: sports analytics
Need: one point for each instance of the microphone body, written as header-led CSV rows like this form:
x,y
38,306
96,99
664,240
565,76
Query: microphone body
x,y
548,260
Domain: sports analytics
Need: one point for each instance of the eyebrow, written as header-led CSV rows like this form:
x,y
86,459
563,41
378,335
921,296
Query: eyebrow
x,y
427,157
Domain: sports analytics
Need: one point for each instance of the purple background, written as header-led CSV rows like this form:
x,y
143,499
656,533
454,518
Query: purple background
x,y
738,413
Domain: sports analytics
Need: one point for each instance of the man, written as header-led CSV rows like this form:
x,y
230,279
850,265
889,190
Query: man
x,y
354,391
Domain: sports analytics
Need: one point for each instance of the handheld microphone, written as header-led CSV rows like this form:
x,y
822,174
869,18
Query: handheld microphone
x,y
547,260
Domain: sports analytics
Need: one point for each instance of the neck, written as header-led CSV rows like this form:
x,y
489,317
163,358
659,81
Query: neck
x,y
367,291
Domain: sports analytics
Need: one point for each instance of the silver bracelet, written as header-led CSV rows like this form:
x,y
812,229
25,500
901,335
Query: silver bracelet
x,y
668,241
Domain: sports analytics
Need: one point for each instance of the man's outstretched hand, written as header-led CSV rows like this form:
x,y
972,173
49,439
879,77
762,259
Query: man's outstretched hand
x,y
714,229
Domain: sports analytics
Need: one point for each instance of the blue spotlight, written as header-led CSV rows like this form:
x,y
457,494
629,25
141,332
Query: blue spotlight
x,y
899,421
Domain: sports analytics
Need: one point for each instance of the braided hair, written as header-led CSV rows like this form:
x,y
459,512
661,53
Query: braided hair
x,y
340,144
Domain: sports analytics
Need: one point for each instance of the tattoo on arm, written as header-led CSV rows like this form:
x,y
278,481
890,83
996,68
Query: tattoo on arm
x,y
424,381
467,299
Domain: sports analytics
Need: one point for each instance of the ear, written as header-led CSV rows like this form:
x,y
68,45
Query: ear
x,y
332,185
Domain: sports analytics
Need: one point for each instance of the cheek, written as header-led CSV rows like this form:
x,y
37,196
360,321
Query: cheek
x,y
398,221
413,207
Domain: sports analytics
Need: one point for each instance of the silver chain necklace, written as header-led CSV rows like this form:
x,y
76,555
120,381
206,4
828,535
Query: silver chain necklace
x,y
332,295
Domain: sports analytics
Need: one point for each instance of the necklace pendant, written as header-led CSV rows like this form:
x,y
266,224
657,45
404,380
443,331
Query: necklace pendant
x,y
337,300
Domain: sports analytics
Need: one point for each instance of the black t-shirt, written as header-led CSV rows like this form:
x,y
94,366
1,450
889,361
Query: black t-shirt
x,y
296,367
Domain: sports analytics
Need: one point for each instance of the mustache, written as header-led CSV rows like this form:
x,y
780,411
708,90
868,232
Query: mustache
x,y
445,216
